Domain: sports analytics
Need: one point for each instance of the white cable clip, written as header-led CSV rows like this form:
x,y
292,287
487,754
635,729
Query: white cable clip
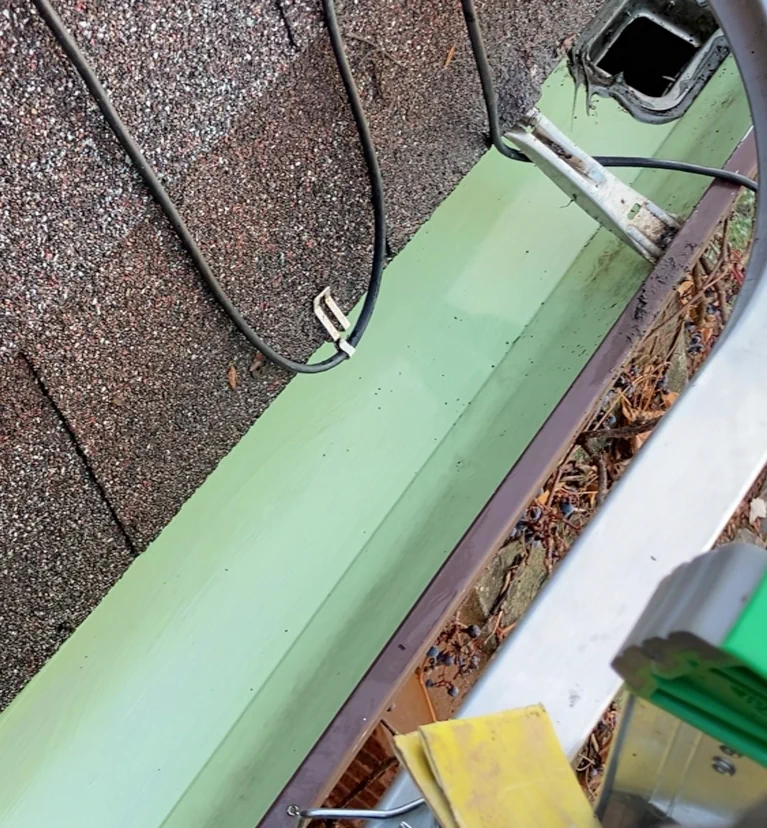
x,y
327,323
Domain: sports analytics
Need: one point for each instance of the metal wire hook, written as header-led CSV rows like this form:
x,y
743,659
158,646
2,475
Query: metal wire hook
x,y
351,813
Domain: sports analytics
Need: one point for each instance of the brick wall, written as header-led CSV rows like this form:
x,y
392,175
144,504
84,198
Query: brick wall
x,y
366,779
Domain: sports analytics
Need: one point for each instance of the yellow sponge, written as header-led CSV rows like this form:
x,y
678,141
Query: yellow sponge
x,y
503,769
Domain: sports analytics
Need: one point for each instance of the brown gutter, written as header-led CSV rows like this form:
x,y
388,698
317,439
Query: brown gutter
x,y
347,732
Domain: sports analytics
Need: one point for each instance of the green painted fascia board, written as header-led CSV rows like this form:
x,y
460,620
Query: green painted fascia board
x,y
193,691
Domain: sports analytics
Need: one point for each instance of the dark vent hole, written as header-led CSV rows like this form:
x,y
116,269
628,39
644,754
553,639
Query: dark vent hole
x,y
650,57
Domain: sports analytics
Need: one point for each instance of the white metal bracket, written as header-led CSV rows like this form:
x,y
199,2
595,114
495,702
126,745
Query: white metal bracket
x,y
626,213
325,301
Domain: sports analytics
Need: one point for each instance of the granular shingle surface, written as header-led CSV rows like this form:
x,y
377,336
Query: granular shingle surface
x,y
241,109
60,549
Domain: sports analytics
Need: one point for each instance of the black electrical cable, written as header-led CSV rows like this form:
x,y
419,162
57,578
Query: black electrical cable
x,y
491,105
84,69
99,94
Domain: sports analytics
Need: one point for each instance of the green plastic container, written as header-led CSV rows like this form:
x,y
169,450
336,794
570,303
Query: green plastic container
x,y
699,651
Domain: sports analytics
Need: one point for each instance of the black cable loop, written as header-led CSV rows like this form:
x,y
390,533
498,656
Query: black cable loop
x,y
159,193
126,140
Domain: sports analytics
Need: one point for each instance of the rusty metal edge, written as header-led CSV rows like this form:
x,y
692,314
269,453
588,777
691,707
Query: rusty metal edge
x,y
360,713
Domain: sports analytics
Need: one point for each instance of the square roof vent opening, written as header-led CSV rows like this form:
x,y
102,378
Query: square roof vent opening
x,y
652,56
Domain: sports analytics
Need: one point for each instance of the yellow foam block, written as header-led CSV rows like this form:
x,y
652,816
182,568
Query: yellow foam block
x,y
503,769
410,750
